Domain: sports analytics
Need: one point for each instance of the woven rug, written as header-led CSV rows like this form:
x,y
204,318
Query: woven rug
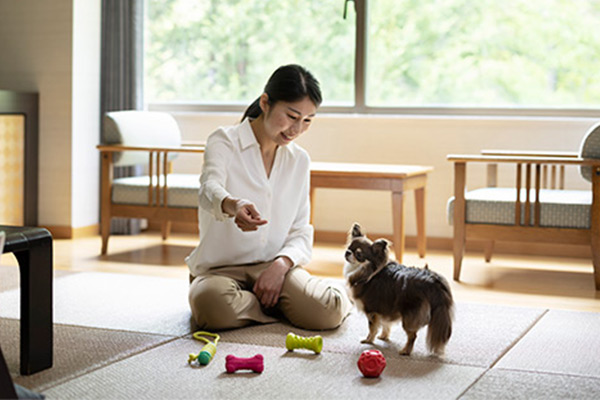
x,y
123,336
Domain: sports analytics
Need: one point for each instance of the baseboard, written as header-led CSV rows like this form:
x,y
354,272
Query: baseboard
x,y
68,232
441,243
433,243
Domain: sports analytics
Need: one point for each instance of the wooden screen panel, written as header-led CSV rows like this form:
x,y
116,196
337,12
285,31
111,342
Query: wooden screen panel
x,y
12,169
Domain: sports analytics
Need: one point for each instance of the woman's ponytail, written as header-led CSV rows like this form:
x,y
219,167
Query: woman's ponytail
x,y
288,83
253,110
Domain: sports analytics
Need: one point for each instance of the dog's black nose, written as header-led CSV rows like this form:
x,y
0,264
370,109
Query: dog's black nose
x,y
348,253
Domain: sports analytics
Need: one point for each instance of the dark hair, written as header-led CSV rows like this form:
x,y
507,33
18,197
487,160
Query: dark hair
x,y
288,83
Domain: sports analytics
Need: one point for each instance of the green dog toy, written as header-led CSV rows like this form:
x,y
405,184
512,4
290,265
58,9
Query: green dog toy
x,y
314,343
208,351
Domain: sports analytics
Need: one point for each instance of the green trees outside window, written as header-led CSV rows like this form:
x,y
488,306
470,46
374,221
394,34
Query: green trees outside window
x,y
418,53
223,51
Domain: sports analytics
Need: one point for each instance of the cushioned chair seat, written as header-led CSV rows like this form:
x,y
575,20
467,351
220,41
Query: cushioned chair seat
x,y
182,192
558,208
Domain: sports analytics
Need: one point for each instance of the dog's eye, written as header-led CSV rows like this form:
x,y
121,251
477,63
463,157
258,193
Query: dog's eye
x,y
359,255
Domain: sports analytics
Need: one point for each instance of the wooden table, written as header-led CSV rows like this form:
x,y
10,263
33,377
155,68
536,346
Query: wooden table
x,y
32,247
394,178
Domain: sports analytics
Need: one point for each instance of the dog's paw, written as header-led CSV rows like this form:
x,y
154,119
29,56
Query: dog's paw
x,y
384,337
367,341
440,353
406,351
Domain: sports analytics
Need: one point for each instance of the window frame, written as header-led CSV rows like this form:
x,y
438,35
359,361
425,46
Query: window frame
x,y
360,81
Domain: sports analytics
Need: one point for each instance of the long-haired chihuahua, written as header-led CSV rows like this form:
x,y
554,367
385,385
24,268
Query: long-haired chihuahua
x,y
388,292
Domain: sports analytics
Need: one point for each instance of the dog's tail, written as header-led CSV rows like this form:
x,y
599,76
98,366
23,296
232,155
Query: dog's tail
x,y
442,313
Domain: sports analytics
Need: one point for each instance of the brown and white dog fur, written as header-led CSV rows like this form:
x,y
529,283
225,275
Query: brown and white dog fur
x,y
388,292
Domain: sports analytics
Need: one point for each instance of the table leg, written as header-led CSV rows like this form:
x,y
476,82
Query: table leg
x,y
35,265
420,208
398,224
7,388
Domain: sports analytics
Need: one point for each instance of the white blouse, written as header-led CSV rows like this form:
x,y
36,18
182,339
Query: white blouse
x,y
233,167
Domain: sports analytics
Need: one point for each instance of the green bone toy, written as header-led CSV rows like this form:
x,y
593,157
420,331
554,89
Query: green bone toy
x,y
314,343
209,349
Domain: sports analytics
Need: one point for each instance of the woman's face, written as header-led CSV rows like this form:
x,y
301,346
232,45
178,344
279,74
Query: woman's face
x,y
285,121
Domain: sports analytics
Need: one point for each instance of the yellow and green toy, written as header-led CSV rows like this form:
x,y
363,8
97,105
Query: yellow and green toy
x,y
208,351
314,343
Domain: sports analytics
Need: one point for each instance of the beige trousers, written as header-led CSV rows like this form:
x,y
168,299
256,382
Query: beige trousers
x,y
222,298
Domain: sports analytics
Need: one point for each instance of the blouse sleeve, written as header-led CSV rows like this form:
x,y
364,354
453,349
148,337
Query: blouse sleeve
x,y
218,154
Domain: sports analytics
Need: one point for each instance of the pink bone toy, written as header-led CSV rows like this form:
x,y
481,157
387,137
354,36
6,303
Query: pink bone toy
x,y
233,363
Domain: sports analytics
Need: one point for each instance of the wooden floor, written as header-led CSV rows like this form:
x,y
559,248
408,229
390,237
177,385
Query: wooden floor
x,y
560,283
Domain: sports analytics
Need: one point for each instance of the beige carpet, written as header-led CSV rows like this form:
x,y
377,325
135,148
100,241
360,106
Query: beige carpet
x,y
122,337
77,351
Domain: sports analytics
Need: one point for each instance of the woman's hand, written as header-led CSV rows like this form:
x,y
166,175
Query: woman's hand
x,y
268,285
245,214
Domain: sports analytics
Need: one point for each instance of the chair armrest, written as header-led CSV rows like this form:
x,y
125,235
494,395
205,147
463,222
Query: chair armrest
x,y
530,153
173,149
187,143
523,159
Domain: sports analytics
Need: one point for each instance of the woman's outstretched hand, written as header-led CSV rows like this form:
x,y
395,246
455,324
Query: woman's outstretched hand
x,y
245,214
269,284
247,217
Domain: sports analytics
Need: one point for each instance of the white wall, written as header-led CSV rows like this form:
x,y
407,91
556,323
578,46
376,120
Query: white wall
x,y
52,47
85,178
35,54
421,140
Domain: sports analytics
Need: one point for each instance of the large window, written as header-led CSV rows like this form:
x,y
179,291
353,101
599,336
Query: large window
x,y
223,51
387,56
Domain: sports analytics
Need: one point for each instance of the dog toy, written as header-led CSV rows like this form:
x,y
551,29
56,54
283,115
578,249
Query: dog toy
x,y
233,363
314,343
371,363
208,351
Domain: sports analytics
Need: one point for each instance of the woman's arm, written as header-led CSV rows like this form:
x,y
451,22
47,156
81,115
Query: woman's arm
x,y
214,198
218,154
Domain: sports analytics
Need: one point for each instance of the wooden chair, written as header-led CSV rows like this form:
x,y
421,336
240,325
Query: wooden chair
x,y
152,139
537,208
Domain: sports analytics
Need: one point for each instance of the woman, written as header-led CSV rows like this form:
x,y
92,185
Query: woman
x,y
254,217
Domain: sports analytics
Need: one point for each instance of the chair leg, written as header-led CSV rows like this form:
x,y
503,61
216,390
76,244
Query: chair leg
x,y
104,232
459,217
488,250
165,229
420,208
105,199
596,258
595,225
459,248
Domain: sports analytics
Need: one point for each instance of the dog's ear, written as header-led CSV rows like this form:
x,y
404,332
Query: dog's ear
x,y
356,230
380,246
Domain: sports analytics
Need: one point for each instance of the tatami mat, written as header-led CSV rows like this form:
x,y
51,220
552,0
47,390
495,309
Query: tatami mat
x,y
9,277
126,336
505,384
286,376
564,342
481,334
77,351
119,301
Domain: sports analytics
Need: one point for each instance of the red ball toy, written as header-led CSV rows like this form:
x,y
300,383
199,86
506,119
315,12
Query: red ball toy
x,y
371,363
